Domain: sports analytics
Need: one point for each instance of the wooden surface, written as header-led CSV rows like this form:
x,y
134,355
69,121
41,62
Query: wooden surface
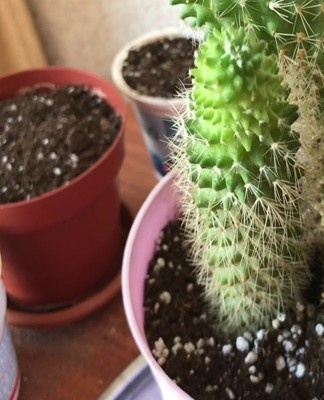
x,y
79,361
20,45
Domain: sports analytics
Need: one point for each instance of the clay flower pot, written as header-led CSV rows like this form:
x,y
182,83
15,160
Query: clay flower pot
x,y
9,370
159,208
154,114
62,246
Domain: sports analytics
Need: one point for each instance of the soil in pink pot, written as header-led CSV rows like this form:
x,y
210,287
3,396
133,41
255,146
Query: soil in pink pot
x,y
281,363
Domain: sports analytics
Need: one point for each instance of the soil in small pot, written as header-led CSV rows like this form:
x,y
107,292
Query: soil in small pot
x,y
160,68
285,362
49,137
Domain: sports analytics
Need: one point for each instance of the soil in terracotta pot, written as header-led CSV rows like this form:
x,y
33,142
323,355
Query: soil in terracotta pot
x,y
47,138
160,68
285,362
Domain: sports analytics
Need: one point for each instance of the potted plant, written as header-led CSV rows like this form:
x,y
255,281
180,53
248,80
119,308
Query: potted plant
x,y
63,245
230,308
149,72
9,370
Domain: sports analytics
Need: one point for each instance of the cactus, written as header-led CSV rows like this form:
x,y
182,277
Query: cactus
x,y
235,163
290,26
294,31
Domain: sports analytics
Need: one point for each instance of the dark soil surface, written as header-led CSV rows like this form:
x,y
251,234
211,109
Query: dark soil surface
x,y
285,362
47,138
160,68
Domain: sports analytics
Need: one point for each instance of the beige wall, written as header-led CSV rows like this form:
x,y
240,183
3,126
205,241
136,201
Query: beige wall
x,y
87,33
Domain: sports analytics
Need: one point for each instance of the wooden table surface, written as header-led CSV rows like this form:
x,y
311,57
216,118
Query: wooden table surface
x,y
80,360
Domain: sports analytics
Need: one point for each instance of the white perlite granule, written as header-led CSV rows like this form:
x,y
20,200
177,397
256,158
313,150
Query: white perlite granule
x,y
160,351
280,363
319,329
165,297
230,394
57,171
242,344
160,263
281,317
276,323
280,338
296,329
210,388
269,388
176,347
227,349
207,360
261,334
251,358
252,370
300,370
74,158
300,307
254,379
189,347
289,346
190,287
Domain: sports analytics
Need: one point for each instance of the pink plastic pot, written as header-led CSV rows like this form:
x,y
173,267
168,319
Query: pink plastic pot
x,y
9,371
62,246
159,208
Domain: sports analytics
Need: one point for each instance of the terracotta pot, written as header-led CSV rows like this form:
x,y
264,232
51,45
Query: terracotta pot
x,y
64,245
9,371
159,208
154,114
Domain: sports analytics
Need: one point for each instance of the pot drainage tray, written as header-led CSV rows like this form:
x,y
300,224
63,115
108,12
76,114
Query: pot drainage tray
x,y
75,311
134,383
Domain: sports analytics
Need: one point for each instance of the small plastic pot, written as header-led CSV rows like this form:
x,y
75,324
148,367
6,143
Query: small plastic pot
x,y
155,114
62,246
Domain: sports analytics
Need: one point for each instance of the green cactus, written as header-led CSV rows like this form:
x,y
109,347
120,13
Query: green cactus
x,y
291,26
294,31
235,163
199,11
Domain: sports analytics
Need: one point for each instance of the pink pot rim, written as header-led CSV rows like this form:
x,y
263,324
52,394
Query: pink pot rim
x,y
134,326
126,283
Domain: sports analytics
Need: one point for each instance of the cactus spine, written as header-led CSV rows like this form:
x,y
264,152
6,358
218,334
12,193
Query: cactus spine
x,y
235,157
291,26
294,31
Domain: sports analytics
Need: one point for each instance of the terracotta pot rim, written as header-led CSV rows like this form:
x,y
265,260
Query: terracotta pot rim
x,y
121,111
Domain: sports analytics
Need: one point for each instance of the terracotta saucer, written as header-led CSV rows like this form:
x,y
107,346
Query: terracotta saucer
x,y
66,315
75,311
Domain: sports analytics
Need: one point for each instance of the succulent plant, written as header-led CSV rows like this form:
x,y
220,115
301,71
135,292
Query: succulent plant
x,y
235,162
294,31
287,25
